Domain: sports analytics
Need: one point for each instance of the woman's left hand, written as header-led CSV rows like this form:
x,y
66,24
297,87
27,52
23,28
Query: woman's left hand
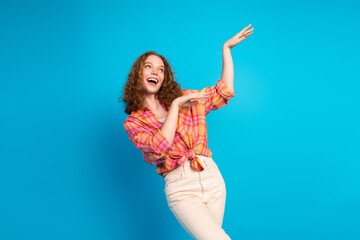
x,y
239,37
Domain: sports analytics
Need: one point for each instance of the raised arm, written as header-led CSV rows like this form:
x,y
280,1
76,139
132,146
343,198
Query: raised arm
x,y
169,126
227,75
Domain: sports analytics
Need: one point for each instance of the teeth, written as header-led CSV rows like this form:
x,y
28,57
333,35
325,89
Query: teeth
x,y
152,79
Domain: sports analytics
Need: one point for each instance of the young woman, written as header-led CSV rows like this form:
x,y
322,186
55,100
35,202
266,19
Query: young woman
x,y
168,125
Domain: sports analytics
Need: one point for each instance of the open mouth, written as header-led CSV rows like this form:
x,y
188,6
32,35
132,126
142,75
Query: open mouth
x,y
152,81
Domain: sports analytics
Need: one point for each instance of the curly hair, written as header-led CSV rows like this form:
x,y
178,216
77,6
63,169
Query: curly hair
x,y
133,92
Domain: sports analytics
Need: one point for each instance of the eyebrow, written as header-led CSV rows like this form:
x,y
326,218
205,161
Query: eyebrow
x,y
153,64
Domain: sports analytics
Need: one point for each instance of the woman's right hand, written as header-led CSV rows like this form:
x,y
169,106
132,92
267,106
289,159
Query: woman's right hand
x,y
190,99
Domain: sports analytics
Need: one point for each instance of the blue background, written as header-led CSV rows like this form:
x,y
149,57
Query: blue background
x,y
287,144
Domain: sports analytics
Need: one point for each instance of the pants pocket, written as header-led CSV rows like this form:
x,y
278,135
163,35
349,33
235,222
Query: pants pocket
x,y
174,176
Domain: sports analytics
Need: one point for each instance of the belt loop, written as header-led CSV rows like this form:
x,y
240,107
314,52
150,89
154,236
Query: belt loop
x,y
183,170
203,160
187,167
209,161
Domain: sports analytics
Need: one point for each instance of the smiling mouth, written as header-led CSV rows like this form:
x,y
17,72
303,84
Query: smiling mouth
x,y
152,80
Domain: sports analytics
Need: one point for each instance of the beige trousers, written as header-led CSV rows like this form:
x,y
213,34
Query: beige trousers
x,y
197,199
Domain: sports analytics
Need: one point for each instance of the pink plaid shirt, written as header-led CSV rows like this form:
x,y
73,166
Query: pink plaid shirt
x,y
144,130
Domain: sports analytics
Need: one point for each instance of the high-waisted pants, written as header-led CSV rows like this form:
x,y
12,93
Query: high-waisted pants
x,y
197,199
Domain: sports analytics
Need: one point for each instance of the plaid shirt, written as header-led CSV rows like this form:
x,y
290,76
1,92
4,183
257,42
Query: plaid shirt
x,y
144,130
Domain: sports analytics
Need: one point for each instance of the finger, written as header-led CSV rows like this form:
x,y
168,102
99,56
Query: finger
x,y
192,95
201,98
197,93
193,103
200,95
245,35
249,31
242,31
206,95
195,97
245,28
189,104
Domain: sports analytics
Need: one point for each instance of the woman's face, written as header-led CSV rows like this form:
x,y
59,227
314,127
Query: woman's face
x,y
153,74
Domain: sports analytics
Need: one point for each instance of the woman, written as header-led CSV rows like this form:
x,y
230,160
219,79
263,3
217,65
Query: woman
x,y
168,125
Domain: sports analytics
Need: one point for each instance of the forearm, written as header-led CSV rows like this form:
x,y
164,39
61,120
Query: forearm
x,y
169,127
227,75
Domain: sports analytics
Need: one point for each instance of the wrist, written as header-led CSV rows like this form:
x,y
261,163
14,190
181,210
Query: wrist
x,y
175,104
226,46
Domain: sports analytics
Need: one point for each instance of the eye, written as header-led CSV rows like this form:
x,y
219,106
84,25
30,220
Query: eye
x,y
147,66
162,70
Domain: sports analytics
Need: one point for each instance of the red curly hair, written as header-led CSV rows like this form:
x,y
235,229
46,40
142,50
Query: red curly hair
x,y
133,92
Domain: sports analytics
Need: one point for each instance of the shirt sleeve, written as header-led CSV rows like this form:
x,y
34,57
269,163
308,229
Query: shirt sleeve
x,y
219,96
153,144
